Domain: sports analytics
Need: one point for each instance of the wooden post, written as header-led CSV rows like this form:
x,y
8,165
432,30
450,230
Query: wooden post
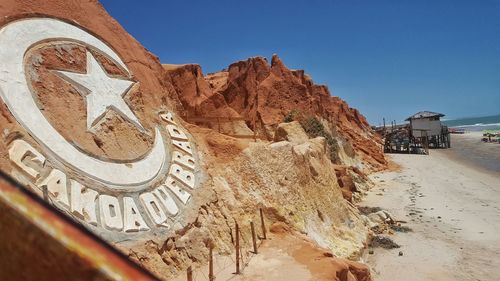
x,y
254,239
426,144
384,126
211,276
218,124
262,224
190,273
237,249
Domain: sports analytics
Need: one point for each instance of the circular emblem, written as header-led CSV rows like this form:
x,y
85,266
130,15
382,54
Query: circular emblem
x,y
114,197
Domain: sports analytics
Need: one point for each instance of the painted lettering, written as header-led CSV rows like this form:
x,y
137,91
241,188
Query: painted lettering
x,y
83,202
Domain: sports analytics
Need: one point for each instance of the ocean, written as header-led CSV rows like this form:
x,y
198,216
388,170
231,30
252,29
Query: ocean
x,y
475,123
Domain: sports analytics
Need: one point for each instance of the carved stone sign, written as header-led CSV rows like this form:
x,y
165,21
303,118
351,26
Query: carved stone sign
x,y
115,197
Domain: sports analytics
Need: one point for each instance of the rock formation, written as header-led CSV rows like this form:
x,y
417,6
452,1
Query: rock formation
x,y
199,99
267,93
219,179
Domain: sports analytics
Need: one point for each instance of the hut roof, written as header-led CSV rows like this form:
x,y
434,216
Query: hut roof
x,y
424,114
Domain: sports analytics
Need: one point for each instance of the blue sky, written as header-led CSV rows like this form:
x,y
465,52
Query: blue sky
x,y
386,58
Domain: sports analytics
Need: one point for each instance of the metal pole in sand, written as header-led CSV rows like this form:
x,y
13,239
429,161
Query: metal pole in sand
x,y
254,240
237,249
262,224
190,273
211,276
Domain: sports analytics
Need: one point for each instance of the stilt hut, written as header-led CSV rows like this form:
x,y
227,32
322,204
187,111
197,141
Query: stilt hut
x,y
426,128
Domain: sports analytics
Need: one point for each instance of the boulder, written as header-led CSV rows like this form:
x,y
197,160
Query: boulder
x,y
292,132
380,217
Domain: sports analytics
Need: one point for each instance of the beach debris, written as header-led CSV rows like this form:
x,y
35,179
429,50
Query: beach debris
x,y
381,217
380,221
400,253
370,252
365,210
383,242
401,228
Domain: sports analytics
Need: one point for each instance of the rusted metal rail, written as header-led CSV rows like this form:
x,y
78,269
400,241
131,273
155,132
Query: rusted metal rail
x,y
38,242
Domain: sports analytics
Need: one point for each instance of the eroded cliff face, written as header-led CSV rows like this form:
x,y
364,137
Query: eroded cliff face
x,y
218,179
267,93
293,181
199,99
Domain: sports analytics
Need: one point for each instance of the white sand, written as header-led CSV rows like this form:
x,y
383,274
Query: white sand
x,y
454,211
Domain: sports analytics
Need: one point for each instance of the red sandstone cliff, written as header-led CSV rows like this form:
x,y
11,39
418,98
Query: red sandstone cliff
x,y
257,90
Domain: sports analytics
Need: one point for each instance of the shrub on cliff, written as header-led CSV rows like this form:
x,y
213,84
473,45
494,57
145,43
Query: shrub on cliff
x,y
314,128
293,115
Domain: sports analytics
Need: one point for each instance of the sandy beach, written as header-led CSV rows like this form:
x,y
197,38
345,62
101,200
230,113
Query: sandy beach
x,y
468,148
450,200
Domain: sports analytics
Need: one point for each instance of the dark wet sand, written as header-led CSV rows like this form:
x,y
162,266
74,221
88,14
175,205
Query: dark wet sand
x,y
470,150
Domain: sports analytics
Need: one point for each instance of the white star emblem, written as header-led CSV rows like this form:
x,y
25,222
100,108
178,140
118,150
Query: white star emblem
x,y
102,92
